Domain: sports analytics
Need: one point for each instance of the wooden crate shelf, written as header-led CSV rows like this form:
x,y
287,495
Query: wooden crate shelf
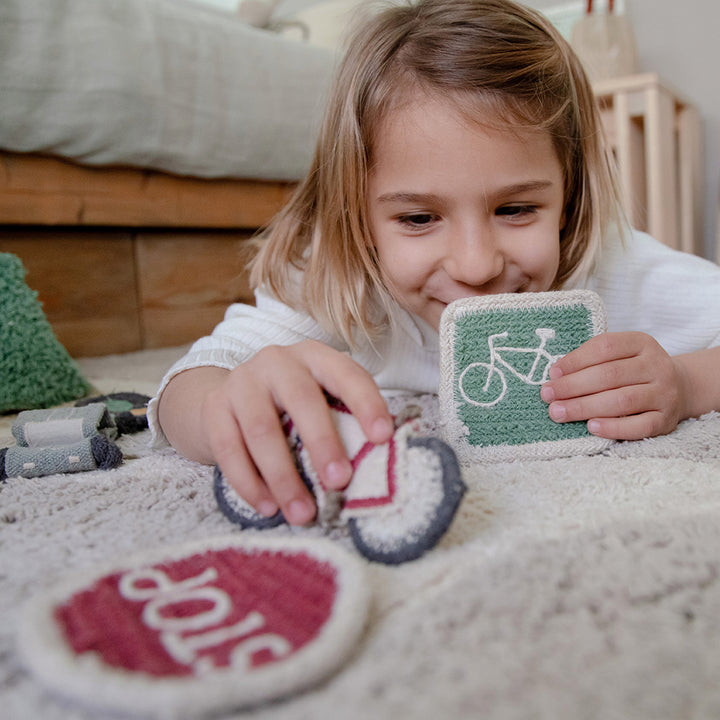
x,y
656,136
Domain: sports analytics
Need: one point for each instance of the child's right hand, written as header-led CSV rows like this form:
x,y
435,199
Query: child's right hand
x,y
241,423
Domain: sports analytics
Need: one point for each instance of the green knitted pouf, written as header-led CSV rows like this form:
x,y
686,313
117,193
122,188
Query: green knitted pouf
x,y
35,369
495,354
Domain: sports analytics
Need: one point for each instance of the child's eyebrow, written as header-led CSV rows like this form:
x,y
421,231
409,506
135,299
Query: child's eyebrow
x,y
409,197
432,198
523,187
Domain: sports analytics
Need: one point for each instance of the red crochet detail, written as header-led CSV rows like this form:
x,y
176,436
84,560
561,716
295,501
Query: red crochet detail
x,y
391,478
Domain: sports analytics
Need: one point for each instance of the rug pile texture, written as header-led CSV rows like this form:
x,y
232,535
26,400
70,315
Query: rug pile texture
x,y
583,587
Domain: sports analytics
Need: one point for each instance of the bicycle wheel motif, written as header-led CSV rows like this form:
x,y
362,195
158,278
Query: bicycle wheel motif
x,y
482,384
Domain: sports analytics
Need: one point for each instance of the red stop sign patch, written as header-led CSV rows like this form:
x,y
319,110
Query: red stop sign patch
x,y
245,619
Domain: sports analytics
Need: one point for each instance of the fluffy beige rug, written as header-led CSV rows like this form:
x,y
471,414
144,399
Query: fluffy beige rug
x,y
587,587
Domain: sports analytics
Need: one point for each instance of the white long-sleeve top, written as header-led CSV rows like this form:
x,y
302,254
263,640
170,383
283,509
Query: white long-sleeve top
x,y
645,286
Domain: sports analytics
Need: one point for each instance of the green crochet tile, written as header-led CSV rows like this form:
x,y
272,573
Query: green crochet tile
x,y
496,352
35,369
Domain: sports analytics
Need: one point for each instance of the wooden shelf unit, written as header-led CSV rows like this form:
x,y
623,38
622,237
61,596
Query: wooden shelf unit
x,y
656,136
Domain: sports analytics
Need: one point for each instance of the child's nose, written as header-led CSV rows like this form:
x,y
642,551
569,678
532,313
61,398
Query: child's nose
x,y
474,259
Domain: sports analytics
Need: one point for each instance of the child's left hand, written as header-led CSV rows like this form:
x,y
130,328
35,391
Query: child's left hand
x,y
624,384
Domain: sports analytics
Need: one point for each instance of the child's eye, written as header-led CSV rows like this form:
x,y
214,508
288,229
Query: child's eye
x,y
417,221
516,212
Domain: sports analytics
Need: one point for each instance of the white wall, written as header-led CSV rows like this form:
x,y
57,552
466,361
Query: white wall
x,y
680,42
230,5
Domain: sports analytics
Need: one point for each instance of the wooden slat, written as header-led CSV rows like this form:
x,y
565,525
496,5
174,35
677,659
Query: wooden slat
x,y
91,336
50,191
186,281
662,175
629,151
691,180
168,327
717,241
87,285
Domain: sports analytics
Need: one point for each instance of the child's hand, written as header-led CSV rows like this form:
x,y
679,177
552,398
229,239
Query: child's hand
x,y
243,428
624,384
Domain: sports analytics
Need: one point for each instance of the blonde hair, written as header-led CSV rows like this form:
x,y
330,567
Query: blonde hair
x,y
495,52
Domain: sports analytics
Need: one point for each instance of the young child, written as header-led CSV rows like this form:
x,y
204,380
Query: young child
x,y
461,154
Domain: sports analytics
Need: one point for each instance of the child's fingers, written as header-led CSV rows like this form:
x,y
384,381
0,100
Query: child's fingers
x,y
627,413
598,350
620,402
240,472
624,384
348,381
300,394
291,379
633,427
595,378
249,443
275,483
267,447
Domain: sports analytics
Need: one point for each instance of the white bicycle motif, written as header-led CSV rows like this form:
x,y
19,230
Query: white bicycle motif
x,y
496,359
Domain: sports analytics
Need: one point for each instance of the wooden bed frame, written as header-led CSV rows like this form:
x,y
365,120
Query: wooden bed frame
x,y
125,259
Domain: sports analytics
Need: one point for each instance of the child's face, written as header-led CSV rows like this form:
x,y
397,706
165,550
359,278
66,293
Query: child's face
x,y
458,210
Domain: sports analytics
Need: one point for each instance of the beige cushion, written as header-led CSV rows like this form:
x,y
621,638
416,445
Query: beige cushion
x,y
164,84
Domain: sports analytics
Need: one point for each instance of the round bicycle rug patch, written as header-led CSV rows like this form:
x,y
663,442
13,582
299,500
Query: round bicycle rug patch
x,y
200,627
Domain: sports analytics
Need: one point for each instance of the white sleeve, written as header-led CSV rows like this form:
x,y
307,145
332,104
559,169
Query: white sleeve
x,y
671,295
245,330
